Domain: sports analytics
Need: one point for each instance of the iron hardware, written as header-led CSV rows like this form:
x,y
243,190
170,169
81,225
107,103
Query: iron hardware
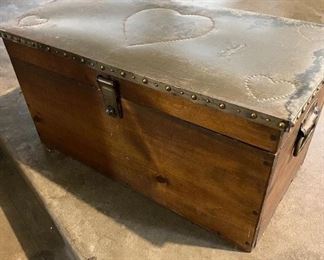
x,y
306,130
111,98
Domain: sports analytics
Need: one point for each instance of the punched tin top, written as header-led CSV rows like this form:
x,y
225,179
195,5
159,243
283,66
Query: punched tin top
x,y
257,66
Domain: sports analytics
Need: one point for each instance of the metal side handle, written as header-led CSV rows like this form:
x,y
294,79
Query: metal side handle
x,y
306,130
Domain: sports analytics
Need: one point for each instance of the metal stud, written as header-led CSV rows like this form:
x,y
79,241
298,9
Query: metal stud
x,y
146,81
253,115
304,108
49,150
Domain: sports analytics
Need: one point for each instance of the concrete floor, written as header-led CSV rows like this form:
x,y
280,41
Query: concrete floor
x,y
27,231
102,219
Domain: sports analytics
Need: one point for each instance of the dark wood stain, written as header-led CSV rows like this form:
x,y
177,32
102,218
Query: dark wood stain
x,y
226,175
233,126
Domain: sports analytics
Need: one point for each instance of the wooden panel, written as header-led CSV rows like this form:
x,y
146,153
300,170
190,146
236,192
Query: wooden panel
x,y
236,127
215,181
284,171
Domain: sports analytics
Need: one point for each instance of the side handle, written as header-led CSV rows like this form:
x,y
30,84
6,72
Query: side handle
x,y
306,130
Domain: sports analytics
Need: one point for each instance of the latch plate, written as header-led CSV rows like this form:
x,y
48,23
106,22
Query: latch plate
x,y
111,98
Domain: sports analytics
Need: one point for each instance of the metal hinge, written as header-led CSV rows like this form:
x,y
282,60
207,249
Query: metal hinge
x,y
111,98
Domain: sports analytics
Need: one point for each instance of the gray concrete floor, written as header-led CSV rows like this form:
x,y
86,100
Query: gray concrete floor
x,y
27,231
103,219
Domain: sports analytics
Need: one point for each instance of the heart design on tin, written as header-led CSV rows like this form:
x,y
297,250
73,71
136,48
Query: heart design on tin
x,y
31,20
153,26
308,32
264,88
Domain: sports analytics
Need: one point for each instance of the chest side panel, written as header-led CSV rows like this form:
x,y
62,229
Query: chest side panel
x,y
286,166
213,180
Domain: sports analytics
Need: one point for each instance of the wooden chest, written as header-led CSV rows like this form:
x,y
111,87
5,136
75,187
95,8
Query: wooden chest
x,y
207,111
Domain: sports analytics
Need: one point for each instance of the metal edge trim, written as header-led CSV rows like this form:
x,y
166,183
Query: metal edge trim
x,y
251,115
308,103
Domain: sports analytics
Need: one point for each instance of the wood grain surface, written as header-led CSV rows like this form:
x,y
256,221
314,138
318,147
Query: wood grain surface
x,y
261,136
213,180
223,173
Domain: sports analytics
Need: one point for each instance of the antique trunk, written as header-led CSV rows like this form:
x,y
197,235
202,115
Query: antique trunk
x,y
207,111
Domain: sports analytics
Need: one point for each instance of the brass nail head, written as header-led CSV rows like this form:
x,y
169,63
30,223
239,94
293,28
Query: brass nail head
x,y
254,115
144,81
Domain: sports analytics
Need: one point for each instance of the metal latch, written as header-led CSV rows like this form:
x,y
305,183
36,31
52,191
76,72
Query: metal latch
x,y
111,98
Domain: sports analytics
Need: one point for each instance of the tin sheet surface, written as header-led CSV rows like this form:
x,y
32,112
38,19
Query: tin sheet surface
x,y
263,63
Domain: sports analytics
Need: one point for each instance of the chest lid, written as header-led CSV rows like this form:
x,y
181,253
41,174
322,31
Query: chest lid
x,y
256,66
